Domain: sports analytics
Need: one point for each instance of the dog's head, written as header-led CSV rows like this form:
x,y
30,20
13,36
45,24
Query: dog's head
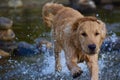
x,y
90,34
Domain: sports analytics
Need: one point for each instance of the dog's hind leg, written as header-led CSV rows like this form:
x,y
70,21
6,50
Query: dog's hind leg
x,y
57,50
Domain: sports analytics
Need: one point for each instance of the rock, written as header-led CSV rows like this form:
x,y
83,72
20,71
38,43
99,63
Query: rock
x,y
4,54
88,3
108,7
84,6
15,3
8,46
7,35
25,49
5,23
87,6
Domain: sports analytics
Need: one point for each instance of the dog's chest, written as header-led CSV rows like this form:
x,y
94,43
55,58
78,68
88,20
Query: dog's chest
x,y
81,57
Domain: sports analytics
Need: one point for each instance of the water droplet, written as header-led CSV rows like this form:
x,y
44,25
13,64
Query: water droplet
x,y
28,35
0,57
97,15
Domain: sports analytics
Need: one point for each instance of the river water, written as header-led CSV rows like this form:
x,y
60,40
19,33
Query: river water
x,y
28,27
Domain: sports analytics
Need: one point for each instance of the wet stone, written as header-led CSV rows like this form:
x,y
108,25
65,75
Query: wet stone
x,y
25,49
7,35
8,46
4,54
15,3
5,23
84,6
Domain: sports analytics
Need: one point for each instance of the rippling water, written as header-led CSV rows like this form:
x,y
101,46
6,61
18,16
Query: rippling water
x,y
42,67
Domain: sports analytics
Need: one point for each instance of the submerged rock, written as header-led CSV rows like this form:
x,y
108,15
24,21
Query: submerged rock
x,y
25,49
5,23
84,6
108,7
7,35
8,46
15,3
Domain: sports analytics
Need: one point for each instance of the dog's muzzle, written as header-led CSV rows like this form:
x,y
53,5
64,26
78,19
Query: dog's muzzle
x,y
92,48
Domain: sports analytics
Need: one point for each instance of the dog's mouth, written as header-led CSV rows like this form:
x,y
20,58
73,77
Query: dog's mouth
x,y
90,52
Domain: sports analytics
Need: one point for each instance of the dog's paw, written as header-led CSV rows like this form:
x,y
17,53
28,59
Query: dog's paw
x,y
58,68
76,72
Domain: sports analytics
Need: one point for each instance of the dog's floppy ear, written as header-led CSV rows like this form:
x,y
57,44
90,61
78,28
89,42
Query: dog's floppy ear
x,y
81,20
103,29
75,25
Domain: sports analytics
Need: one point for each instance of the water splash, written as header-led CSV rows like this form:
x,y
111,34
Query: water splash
x,y
111,43
42,67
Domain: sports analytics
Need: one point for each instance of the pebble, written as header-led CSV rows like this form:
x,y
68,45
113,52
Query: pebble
x,y
7,35
5,23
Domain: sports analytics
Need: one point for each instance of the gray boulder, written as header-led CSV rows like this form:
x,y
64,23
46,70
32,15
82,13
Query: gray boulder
x,y
5,23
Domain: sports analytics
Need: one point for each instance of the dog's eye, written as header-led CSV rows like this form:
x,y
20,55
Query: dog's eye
x,y
84,34
96,34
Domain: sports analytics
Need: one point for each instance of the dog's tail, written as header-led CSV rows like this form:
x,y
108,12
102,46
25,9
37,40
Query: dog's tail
x,y
49,11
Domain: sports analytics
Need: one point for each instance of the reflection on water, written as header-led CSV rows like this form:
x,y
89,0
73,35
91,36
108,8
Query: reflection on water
x,y
28,23
28,26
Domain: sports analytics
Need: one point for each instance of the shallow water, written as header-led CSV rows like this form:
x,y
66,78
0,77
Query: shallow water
x,y
41,67
28,27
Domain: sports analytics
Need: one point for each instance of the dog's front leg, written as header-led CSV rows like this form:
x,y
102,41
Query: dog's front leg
x,y
93,67
74,69
57,50
71,60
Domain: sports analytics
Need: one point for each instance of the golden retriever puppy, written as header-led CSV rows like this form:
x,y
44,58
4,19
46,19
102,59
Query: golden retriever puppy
x,y
80,37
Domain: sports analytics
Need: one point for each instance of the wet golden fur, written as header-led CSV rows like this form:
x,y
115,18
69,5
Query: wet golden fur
x,y
73,32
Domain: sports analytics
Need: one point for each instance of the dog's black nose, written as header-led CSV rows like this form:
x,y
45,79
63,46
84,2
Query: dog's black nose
x,y
92,47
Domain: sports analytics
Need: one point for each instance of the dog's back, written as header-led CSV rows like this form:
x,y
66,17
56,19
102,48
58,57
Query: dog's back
x,y
49,11
53,12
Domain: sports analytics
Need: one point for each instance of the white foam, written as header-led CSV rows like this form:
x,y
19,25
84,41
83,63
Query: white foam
x,y
113,37
50,64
